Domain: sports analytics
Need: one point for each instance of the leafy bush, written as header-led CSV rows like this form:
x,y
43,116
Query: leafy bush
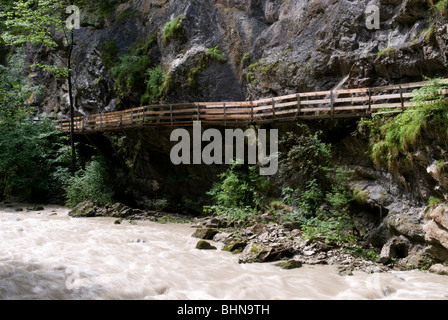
x,y
240,192
90,184
322,198
439,6
306,154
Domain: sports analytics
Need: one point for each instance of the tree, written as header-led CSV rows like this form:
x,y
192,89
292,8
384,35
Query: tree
x,y
33,155
47,23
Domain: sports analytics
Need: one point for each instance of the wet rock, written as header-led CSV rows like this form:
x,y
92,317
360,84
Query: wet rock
x,y
204,245
255,253
205,233
234,246
439,269
85,209
35,208
259,252
397,247
290,264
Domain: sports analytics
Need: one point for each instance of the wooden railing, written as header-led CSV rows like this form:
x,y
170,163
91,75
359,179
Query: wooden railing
x,y
334,104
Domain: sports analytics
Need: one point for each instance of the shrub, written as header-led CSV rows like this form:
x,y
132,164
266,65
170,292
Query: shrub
x,y
90,184
156,82
131,72
240,192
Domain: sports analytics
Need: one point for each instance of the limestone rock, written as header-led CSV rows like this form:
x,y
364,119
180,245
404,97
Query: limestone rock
x,y
234,246
397,247
439,269
254,253
290,264
436,230
205,233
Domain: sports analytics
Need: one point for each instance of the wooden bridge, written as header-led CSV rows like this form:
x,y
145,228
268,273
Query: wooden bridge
x,y
334,104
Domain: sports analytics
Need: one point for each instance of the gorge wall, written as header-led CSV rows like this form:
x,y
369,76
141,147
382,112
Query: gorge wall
x,y
225,50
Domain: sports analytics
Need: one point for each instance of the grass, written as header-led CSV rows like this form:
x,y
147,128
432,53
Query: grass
x,y
174,29
390,51
391,138
212,54
439,7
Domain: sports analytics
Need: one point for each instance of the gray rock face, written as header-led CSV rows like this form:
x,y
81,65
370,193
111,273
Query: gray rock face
x,y
271,47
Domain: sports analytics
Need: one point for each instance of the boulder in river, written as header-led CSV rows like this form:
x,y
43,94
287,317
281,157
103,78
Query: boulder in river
x,y
205,233
204,245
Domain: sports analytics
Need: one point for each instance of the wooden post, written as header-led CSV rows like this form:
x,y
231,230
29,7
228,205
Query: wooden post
x,y
101,120
251,112
121,119
332,105
401,98
197,112
299,106
273,108
369,92
132,116
171,114
225,115
143,121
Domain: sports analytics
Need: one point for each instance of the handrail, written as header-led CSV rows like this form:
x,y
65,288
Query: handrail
x,y
332,104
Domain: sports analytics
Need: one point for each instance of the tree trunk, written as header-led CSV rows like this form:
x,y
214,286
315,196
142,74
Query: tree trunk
x,y
72,105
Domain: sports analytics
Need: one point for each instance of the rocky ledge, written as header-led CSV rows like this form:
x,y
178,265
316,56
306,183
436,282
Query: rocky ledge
x,y
258,242
123,212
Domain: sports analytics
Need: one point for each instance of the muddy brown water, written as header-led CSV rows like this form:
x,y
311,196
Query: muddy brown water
x,y
48,255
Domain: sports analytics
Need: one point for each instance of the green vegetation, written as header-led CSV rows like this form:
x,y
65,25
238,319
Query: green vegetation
x,y
322,204
388,52
215,54
174,29
392,137
138,77
240,192
318,195
439,7
434,202
109,53
131,74
212,54
33,156
90,184
156,84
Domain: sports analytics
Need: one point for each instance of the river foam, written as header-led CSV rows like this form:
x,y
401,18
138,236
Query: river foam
x,y
49,255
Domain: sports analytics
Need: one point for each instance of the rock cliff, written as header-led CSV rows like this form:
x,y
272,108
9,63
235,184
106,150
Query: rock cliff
x,y
269,48
224,50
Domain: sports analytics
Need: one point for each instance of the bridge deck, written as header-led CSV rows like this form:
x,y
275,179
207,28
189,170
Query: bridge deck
x,y
334,104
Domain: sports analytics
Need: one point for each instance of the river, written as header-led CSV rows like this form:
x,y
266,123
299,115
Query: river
x,y
48,255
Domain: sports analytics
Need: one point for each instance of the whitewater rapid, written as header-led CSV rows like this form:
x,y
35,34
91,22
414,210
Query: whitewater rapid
x,y
48,255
